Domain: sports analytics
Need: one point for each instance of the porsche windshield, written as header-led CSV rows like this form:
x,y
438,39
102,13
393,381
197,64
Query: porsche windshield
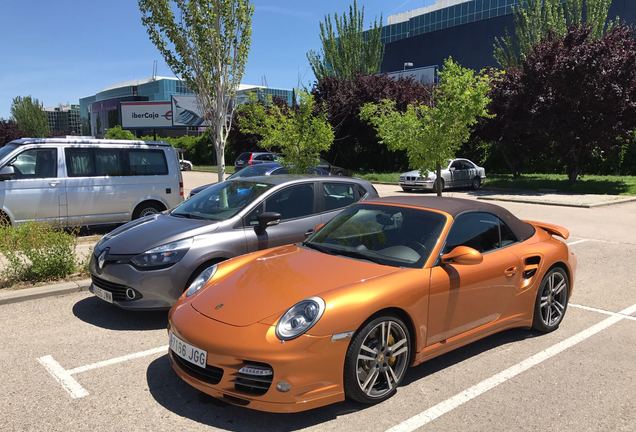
x,y
221,201
388,235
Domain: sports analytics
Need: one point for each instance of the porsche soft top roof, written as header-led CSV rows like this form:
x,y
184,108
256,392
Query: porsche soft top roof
x,y
457,206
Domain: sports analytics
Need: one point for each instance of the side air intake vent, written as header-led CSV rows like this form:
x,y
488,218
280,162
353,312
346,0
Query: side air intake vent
x,y
531,266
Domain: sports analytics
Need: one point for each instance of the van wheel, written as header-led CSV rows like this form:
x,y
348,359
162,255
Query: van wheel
x,y
4,220
146,209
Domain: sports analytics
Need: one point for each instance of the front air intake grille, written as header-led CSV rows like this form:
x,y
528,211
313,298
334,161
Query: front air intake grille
x,y
254,379
210,375
119,292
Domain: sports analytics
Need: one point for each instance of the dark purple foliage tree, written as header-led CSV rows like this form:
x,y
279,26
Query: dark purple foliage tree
x,y
9,131
572,97
356,145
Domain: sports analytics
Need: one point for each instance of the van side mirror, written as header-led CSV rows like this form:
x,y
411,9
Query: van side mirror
x,y
463,255
267,219
7,172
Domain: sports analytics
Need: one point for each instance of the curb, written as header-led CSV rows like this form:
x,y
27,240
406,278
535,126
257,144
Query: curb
x,y
20,295
559,204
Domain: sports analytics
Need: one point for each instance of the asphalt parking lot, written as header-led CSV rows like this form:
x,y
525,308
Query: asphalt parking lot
x,y
76,363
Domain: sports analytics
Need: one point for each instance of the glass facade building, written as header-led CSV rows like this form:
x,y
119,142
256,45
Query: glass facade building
x,y
462,29
103,110
64,120
440,18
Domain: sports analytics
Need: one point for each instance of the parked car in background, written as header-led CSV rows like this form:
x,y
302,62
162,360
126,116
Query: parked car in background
x,y
81,182
147,264
332,169
272,168
254,158
386,285
185,164
458,173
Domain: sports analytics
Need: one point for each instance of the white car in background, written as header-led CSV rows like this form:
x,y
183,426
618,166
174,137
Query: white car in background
x,y
458,173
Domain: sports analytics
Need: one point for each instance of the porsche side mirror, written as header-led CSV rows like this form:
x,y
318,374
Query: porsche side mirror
x,y
7,172
463,255
267,219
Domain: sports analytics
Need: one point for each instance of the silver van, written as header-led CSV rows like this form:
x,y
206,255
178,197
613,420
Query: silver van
x,y
80,182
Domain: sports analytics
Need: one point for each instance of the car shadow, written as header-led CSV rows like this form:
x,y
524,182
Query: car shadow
x,y
96,312
182,399
466,352
175,395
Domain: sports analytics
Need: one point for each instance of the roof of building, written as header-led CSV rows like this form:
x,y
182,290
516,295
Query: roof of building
x,y
457,206
405,16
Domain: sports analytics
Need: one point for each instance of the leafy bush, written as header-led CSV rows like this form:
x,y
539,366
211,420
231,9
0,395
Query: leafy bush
x,y
36,252
118,133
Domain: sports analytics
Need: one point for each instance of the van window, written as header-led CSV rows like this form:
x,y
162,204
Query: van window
x,y
108,162
35,164
79,162
147,162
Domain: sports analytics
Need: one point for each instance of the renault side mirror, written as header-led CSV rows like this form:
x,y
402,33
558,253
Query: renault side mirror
x,y
267,219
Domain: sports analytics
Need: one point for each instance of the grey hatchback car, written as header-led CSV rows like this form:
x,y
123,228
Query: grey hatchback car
x,y
148,263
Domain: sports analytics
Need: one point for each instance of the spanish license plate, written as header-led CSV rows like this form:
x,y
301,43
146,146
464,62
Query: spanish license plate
x,y
103,294
188,352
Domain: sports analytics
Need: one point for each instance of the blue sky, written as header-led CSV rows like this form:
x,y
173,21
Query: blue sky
x,y
61,50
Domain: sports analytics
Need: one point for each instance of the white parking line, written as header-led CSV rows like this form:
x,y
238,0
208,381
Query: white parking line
x,y
467,395
62,376
70,384
602,311
579,242
110,362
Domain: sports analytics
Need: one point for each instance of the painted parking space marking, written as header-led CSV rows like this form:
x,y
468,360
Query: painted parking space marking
x,y
72,386
65,377
602,311
579,242
444,407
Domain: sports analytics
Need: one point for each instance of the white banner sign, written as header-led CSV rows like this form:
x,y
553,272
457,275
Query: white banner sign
x,y
146,115
186,111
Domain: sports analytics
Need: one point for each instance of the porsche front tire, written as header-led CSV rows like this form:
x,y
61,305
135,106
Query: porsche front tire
x,y
552,300
377,360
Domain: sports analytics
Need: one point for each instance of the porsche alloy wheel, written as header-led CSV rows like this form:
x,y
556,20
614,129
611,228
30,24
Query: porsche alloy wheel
x,y
552,300
377,360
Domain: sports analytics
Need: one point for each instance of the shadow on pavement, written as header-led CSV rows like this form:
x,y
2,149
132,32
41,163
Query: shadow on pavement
x,y
101,314
177,396
461,354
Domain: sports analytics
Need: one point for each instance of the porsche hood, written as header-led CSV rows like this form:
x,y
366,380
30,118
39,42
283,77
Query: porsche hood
x,y
270,283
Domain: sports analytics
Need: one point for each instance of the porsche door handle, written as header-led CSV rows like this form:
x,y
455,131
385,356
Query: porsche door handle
x,y
510,271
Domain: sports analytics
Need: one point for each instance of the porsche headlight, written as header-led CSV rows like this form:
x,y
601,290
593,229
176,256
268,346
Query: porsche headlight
x,y
201,280
164,255
300,318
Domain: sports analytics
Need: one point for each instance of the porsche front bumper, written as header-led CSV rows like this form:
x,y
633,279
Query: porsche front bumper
x,y
311,366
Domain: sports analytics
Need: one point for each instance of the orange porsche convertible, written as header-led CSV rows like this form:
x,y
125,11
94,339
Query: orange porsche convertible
x,y
387,284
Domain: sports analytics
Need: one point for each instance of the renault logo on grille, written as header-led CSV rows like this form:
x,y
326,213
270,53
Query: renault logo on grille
x,y
101,260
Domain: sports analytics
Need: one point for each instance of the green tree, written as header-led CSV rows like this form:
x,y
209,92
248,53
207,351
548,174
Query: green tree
x,y
348,50
535,20
432,133
207,47
29,115
300,133
116,132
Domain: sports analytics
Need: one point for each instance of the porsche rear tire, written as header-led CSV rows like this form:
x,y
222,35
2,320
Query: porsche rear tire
x,y
377,360
552,300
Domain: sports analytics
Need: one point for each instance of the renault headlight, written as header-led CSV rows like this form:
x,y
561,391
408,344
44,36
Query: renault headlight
x,y
201,280
164,255
300,318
